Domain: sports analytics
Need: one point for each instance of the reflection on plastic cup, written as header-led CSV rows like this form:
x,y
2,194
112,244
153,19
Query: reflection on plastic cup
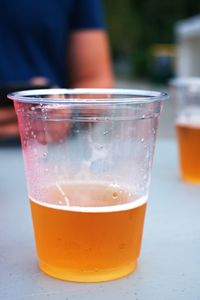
x,y
186,96
88,156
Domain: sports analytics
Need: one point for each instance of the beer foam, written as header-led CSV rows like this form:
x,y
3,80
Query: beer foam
x,y
189,117
97,192
97,209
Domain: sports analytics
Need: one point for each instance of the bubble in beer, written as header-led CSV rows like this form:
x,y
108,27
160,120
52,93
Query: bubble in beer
x,y
115,196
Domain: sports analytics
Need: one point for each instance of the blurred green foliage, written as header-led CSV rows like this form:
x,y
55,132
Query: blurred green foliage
x,y
135,25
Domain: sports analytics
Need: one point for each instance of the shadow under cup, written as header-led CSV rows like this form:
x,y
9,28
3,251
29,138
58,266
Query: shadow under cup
x,y
88,156
185,94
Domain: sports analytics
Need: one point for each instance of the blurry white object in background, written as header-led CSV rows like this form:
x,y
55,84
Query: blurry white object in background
x,y
188,47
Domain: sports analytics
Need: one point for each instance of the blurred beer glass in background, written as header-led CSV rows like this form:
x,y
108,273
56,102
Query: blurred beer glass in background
x,y
88,156
185,94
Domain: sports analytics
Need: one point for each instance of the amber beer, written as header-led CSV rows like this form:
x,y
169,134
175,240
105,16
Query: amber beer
x,y
188,134
88,231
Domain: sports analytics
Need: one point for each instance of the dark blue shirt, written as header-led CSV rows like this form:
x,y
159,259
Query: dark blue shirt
x,y
34,36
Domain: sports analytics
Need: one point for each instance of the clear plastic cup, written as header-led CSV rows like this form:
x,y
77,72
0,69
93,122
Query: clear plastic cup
x,y
88,156
185,93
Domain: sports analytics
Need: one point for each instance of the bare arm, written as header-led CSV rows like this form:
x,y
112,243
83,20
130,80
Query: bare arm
x,y
89,60
89,66
8,123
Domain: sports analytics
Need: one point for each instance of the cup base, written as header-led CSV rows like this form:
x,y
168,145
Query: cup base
x,y
87,276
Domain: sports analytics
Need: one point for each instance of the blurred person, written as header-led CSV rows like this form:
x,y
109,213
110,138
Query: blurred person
x,y
51,42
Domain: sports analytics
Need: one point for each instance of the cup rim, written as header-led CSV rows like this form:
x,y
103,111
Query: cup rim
x,y
184,81
119,96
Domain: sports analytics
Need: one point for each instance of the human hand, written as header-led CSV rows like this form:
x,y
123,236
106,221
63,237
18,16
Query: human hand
x,y
8,118
8,123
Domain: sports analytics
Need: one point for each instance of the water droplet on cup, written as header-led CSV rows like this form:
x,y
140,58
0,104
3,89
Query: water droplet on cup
x,y
45,154
107,131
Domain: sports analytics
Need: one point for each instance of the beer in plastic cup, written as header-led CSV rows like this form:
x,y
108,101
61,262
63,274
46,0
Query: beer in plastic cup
x,y
88,156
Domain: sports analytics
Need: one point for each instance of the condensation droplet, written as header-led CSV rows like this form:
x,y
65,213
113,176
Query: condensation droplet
x,y
98,146
107,131
76,130
142,140
45,154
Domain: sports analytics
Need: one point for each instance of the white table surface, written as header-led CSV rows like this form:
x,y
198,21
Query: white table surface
x,y
169,265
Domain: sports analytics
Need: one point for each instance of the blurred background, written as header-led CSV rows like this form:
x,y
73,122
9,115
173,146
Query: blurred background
x,y
144,36
153,41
